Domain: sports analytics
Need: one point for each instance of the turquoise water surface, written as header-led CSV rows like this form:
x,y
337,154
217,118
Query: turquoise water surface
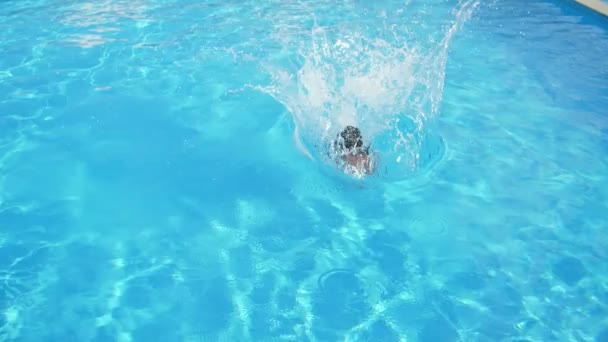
x,y
164,172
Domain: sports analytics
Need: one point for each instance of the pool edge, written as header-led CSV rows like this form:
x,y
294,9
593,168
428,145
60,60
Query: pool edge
x,y
596,5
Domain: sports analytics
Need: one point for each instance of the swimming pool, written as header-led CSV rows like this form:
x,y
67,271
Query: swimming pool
x,y
162,171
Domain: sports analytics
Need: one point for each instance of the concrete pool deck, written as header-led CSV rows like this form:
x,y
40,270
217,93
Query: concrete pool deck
x,y
599,6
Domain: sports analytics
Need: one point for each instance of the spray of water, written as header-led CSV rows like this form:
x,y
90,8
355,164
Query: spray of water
x,y
387,80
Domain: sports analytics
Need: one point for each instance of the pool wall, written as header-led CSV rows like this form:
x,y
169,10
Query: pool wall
x,y
599,6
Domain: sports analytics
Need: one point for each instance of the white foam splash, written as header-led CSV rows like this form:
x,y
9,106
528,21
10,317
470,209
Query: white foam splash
x,y
386,81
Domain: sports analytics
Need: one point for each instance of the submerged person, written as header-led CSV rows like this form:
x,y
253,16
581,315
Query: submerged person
x,y
352,154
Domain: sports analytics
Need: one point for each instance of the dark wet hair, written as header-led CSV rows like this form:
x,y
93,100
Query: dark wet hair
x,y
351,137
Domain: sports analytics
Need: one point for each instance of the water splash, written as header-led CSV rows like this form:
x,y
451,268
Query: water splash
x,y
386,79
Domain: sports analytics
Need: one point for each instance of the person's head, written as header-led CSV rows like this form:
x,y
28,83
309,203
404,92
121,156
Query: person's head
x,y
351,138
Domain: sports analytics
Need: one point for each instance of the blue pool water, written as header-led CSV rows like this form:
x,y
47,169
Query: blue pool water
x,y
163,173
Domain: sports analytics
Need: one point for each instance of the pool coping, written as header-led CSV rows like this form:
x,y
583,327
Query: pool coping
x,y
597,5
